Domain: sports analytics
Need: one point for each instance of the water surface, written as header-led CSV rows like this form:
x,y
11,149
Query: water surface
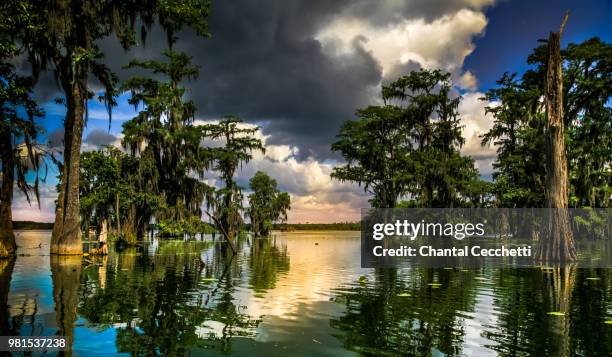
x,y
297,294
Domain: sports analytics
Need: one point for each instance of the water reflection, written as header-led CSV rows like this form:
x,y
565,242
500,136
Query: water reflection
x,y
412,311
266,261
156,303
427,311
66,276
553,311
300,294
6,273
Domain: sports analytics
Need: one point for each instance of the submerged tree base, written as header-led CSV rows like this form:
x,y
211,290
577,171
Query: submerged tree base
x,y
66,237
7,245
75,248
556,241
100,251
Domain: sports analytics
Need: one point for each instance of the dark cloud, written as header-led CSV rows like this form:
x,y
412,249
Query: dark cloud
x,y
47,89
55,139
99,137
264,64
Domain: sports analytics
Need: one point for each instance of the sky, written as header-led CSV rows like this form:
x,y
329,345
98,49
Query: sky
x,y
299,68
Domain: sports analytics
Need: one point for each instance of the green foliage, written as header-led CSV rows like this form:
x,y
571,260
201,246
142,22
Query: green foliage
x,y
19,153
113,187
378,133
164,135
409,147
592,221
64,36
100,181
111,179
519,128
238,145
237,149
188,227
267,204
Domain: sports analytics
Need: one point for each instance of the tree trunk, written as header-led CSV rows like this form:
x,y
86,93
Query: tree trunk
x,y
7,237
141,227
117,214
228,218
66,238
129,227
557,242
103,238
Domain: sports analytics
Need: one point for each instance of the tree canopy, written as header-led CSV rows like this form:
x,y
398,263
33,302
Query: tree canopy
x,y
408,148
163,136
519,127
267,205
238,145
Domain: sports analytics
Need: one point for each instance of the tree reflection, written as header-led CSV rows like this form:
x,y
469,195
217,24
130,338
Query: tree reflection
x,y
380,320
66,276
266,261
553,311
559,286
170,303
591,307
6,273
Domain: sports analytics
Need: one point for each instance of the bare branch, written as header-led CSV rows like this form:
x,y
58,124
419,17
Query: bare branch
x,y
563,23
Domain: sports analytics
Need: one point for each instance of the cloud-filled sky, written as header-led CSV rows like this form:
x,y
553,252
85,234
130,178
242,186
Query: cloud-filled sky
x,y
299,68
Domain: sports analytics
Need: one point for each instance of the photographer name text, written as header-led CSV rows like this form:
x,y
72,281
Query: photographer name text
x,y
465,251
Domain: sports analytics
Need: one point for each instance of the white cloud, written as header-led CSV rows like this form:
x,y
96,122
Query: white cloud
x,y
87,146
281,152
441,43
476,123
315,197
468,81
22,211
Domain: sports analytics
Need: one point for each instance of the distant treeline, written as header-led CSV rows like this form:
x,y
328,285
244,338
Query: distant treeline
x,y
340,226
31,225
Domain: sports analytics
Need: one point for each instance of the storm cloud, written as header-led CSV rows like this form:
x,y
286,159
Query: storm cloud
x,y
100,137
285,66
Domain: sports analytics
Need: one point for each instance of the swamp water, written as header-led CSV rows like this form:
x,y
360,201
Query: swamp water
x,y
298,294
